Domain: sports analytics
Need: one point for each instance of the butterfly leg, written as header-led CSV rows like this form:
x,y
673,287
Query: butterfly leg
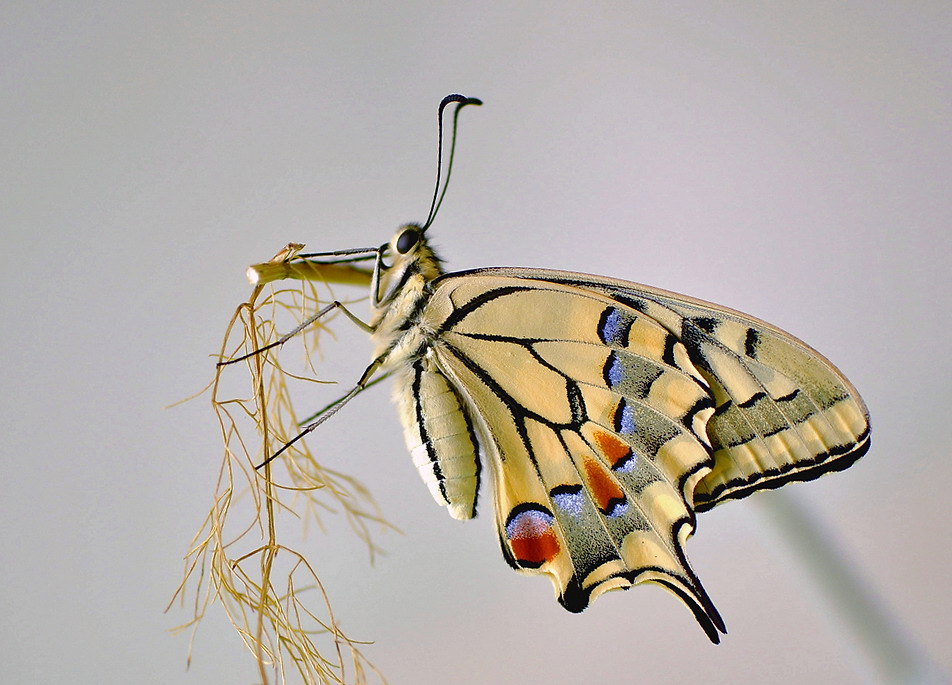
x,y
334,407
304,324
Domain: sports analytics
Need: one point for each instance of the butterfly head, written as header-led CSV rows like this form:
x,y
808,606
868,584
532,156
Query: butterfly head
x,y
407,258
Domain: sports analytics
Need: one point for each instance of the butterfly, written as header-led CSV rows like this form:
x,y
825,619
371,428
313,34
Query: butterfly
x,y
608,413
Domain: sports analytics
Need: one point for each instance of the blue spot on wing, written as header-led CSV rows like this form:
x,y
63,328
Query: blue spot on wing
x,y
614,372
568,498
528,520
626,464
613,327
624,418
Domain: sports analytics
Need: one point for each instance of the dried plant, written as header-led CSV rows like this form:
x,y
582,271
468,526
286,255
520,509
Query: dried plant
x,y
240,558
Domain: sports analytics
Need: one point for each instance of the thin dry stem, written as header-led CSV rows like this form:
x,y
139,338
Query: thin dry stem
x,y
236,559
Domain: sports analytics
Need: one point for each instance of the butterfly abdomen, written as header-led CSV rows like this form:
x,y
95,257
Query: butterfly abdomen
x,y
438,432
439,436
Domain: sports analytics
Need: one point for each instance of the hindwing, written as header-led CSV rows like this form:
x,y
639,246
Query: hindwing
x,y
592,417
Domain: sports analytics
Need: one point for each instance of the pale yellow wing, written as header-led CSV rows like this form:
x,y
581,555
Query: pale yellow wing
x,y
609,413
783,411
592,417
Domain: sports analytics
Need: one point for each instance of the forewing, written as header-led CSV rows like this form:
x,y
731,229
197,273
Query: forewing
x,y
593,417
783,411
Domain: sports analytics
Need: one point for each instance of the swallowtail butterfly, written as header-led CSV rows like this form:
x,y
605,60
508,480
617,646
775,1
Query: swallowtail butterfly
x,y
608,413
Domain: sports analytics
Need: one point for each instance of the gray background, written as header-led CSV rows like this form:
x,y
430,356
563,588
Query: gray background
x,y
791,160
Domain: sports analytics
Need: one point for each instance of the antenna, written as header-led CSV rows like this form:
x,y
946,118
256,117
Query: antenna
x,y
438,196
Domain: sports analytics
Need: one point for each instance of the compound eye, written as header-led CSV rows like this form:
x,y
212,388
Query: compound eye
x,y
407,240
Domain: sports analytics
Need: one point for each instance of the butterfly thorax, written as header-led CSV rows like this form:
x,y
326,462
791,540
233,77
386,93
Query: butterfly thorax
x,y
402,293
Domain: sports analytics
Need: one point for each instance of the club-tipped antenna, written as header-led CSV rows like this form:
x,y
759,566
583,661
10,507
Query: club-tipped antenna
x,y
438,195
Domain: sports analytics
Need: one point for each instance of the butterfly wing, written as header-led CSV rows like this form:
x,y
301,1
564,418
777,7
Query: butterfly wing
x,y
592,417
609,413
783,412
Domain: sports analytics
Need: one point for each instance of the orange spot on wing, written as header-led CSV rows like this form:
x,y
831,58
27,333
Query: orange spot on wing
x,y
532,537
614,449
535,551
601,485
